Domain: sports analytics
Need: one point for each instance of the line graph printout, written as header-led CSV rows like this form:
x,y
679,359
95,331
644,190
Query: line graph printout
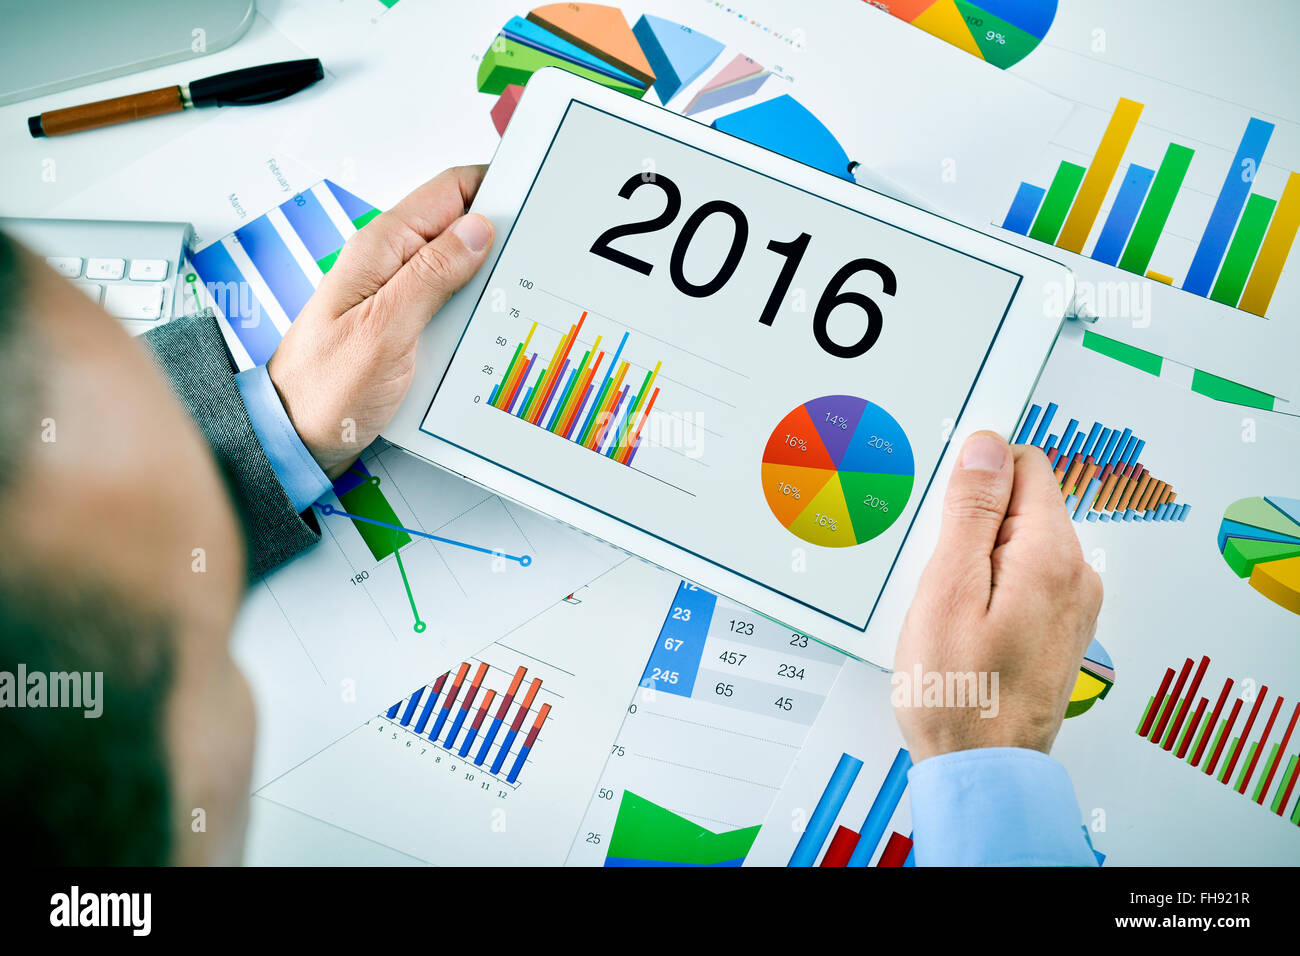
x,y
415,570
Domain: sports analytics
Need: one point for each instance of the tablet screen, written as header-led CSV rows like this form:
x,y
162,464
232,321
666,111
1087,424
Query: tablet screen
x,y
743,369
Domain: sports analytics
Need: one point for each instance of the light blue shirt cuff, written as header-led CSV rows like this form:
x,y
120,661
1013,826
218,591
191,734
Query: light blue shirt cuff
x,y
996,806
299,475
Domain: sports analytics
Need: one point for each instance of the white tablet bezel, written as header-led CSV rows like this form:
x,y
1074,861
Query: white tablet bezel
x,y
997,401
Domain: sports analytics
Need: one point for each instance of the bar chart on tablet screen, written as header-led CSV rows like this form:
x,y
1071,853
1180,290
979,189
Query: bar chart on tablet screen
x,y
591,401
606,384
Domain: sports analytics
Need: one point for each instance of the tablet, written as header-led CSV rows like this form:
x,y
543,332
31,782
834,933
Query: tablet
x,y
740,368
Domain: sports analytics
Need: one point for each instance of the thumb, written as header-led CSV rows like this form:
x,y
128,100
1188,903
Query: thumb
x,y
976,503
437,270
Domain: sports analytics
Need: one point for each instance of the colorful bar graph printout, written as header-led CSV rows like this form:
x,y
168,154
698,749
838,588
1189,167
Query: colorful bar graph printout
x,y
1101,471
1256,757
1242,247
456,719
848,847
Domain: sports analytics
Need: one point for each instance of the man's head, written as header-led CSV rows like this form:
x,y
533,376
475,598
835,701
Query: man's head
x,y
121,556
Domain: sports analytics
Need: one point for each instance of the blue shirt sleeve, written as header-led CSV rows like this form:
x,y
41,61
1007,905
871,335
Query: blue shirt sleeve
x,y
299,475
996,806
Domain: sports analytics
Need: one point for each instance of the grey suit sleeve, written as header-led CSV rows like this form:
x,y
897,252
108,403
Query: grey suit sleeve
x,y
193,354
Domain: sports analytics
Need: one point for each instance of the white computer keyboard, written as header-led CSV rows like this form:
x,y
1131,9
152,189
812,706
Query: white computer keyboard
x,y
129,268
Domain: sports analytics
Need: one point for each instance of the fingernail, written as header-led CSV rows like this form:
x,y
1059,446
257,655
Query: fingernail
x,y
474,231
984,453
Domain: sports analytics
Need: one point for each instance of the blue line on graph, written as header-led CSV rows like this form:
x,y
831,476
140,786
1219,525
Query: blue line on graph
x,y
524,560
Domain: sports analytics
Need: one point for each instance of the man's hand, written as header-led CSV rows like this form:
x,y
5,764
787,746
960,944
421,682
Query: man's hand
x,y
348,359
1007,591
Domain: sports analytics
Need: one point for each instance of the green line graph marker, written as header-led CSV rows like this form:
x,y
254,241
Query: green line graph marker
x,y
419,625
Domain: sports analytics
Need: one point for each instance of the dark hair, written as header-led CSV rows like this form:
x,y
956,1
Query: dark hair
x,y
74,790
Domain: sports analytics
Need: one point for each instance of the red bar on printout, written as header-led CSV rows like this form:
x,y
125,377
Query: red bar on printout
x,y
1214,722
537,726
841,848
1245,733
1156,702
483,709
1173,701
510,694
1223,738
1281,756
526,704
455,686
1263,742
1190,732
473,687
1191,696
896,850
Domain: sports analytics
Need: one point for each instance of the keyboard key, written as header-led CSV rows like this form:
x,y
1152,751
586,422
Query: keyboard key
x,y
134,302
148,270
93,290
69,266
105,268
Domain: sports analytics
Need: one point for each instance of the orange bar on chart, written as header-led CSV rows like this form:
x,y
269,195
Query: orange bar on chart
x,y
1104,495
1135,489
1153,492
1072,477
526,704
557,369
1112,498
1089,470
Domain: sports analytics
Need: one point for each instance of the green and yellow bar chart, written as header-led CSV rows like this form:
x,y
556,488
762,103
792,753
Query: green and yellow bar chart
x,y
601,413
1265,772
1243,246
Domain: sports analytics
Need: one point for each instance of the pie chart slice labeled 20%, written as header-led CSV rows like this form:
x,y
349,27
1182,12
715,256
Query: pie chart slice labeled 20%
x,y
837,471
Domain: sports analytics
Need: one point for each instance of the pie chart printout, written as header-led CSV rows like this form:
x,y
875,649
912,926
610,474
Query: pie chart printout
x,y
1259,539
837,471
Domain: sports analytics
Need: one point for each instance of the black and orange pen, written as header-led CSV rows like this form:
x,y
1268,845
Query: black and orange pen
x,y
247,87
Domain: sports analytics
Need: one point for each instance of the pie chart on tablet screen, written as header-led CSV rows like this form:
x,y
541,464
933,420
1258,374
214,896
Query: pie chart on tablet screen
x,y
837,471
